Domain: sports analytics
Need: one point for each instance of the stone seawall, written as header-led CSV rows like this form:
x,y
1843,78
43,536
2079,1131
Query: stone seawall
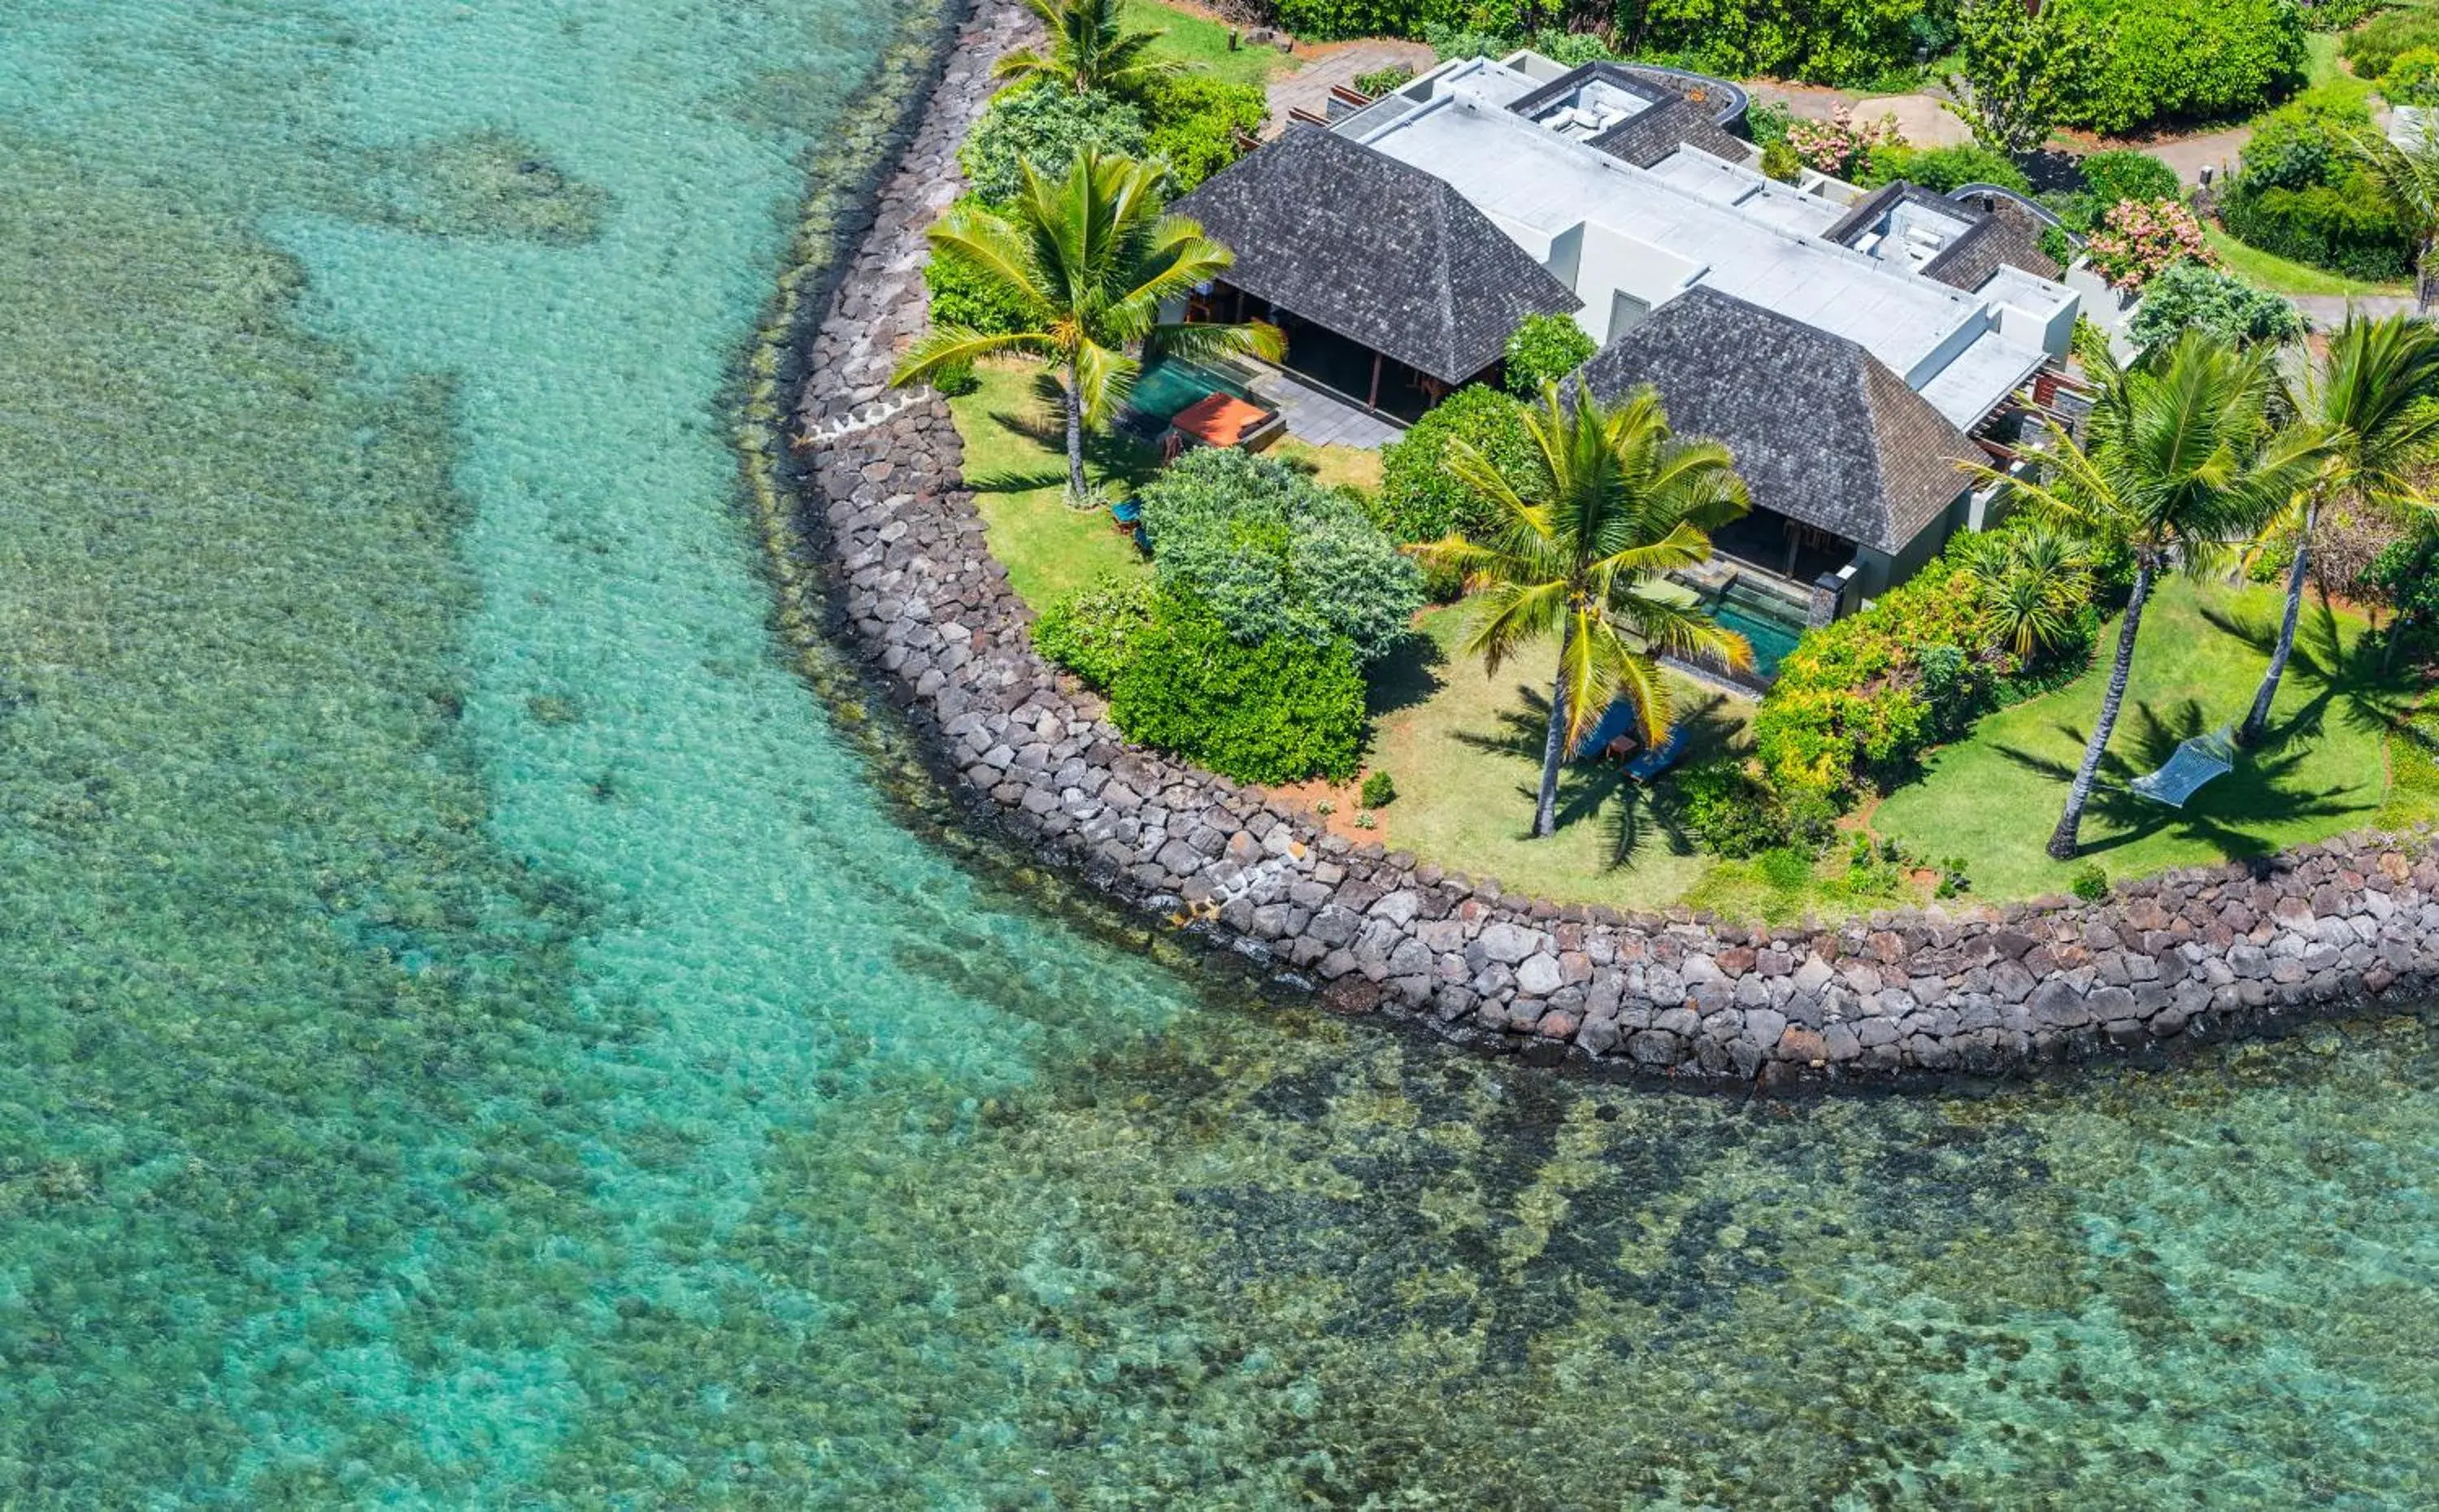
x,y
913,590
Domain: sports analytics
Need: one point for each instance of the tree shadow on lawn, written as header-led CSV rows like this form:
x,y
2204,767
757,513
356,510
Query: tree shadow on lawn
x,y
2227,815
1112,457
1407,678
2352,679
1587,787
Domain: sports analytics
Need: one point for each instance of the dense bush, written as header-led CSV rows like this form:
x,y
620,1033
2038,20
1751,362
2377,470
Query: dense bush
x,y
1418,500
2139,240
1727,810
2413,79
1842,146
2184,60
2113,178
1832,41
1380,790
962,295
1327,19
1278,711
1860,698
2375,49
1545,348
1195,121
2195,294
2302,194
1094,631
1380,82
1046,126
1270,554
1943,168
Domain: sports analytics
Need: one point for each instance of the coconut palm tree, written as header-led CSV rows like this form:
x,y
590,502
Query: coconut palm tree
x,y
1090,49
2373,399
2032,583
1090,259
2180,463
2406,179
1617,504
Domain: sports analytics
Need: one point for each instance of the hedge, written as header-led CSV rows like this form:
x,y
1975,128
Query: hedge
x,y
1942,168
2301,194
1280,711
2184,60
1545,348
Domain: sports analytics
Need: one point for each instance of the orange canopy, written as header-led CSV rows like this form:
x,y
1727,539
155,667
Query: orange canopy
x,y
1218,419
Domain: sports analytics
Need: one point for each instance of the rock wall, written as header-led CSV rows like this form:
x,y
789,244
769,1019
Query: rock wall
x,y
914,590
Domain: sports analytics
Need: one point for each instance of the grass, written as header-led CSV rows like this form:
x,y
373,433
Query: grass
x,y
2286,277
1015,465
1465,749
1332,467
1994,796
1197,38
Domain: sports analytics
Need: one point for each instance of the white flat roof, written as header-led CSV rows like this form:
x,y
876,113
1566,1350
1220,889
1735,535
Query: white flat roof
x,y
1751,237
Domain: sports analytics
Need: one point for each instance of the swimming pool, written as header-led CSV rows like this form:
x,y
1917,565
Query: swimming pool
x,y
1769,621
1168,384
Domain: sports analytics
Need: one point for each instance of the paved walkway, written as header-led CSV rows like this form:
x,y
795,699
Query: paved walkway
x,y
2328,311
1308,88
1317,416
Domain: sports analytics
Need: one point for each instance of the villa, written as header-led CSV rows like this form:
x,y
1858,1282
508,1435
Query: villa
x,y
1852,348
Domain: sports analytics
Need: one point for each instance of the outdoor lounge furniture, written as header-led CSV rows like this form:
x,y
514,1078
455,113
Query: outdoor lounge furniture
x,y
1658,759
2195,762
1221,420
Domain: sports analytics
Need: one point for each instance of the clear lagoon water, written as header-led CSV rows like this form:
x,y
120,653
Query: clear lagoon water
x,y
472,1033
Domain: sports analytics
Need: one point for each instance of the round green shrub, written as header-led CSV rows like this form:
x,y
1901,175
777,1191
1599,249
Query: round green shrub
x,y
2375,48
1271,553
1195,121
1419,501
2413,79
1279,711
1094,631
1726,809
2090,881
1046,126
2112,177
1380,791
2197,294
1544,349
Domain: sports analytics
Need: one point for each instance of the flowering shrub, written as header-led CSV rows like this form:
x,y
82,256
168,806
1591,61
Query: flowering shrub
x,y
1839,145
2139,239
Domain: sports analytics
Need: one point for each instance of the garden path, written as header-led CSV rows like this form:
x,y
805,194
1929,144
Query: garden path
x,y
1308,87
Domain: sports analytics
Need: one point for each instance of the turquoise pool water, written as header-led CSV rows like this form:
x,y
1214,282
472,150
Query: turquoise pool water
x,y
1167,386
1767,622
473,1034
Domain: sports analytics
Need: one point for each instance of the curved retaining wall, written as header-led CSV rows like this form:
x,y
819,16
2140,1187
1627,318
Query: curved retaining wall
x,y
915,592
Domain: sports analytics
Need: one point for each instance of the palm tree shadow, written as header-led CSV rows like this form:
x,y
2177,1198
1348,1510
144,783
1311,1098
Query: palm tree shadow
x,y
2231,813
1408,676
1111,457
2347,680
1598,786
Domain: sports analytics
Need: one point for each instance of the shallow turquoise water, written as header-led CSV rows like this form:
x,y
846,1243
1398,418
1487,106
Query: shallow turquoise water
x,y
476,1035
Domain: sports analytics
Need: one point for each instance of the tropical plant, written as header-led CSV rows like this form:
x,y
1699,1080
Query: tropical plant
x,y
1093,630
2033,587
2019,63
1272,553
1196,123
1420,500
1583,559
1282,710
2406,180
1092,257
2373,402
2413,79
1941,170
2195,296
1544,349
1046,128
2180,463
2139,240
1091,50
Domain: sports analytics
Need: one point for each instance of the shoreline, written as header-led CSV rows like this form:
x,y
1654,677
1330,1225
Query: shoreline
x,y
907,586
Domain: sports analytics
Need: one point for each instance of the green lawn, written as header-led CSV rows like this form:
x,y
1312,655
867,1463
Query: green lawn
x,y
1993,797
1201,41
2283,276
1015,463
1464,750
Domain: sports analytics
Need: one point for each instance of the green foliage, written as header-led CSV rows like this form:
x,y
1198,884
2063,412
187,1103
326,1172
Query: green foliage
x,y
1380,790
1834,41
1327,19
1768,122
1380,82
1942,168
2058,246
1419,500
2111,178
2375,47
962,294
1781,161
1727,809
1281,710
1787,868
2019,61
2181,60
1045,126
1545,348
2193,295
2407,573
2302,194
2413,79
1195,123
1094,631
2090,881
1272,554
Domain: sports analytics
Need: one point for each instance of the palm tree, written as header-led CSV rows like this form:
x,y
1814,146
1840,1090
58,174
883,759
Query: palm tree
x,y
2406,179
2032,583
2181,462
2374,401
1090,49
1092,258
1619,503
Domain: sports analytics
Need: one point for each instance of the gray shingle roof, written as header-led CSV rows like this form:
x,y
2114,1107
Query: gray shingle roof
x,y
2004,237
1649,135
1376,249
1822,432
